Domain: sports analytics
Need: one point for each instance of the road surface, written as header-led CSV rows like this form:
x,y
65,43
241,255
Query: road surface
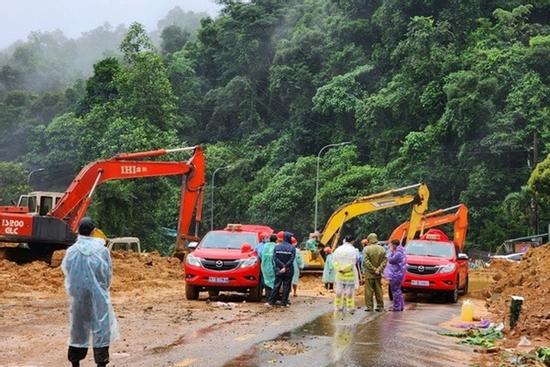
x,y
406,339
162,329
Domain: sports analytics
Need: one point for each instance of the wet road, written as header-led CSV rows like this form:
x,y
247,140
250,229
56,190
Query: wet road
x,y
392,339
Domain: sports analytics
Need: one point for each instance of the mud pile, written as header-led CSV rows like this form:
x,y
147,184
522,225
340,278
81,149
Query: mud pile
x,y
529,278
131,272
312,284
37,276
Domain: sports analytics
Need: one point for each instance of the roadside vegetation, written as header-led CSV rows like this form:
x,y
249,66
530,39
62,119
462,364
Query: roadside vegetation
x,y
455,95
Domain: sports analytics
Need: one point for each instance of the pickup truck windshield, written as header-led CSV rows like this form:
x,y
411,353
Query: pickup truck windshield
x,y
232,240
430,248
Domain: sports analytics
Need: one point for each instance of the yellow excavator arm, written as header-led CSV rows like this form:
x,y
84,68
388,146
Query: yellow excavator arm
x,y
384,200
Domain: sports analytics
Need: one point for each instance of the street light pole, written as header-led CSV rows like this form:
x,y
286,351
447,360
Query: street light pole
x,y
33,172
212,195
315,229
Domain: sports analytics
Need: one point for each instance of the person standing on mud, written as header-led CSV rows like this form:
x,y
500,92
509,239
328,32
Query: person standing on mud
x,y
283,259
374,262
347,278
395,272
88,270
268,271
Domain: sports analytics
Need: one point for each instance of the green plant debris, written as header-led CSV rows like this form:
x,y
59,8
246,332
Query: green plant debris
x,y
483,338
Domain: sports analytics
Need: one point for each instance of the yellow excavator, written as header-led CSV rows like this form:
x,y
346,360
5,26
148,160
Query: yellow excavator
x,y
368,204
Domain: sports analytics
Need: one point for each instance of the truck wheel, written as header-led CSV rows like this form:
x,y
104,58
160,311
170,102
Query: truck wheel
x,y
213,293
191,292
453,295
255,294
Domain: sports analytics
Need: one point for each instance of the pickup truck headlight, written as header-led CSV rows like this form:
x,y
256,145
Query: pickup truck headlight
x,y
449,268
193,260
249,262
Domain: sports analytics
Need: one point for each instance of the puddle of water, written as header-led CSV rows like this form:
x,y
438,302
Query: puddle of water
x,y
366,339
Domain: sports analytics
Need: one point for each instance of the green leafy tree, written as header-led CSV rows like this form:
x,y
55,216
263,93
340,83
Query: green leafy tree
x,y
13,182
173,39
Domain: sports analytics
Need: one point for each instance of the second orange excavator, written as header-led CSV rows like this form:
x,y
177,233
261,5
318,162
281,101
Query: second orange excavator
x,y
458,215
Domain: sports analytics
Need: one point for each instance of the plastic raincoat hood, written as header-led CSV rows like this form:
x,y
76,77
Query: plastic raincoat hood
x,y
88,271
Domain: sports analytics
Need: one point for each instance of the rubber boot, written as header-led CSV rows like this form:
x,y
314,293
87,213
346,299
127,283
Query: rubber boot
x,y
76,364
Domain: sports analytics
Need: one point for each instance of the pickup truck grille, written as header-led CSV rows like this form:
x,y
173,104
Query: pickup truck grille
x,y
422,269
220,264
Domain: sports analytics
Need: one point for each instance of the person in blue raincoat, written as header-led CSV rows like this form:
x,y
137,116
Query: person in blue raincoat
x,y
329,274
88,270
268,270
297,264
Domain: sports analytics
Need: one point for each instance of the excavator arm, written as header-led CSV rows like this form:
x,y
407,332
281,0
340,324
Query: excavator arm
x,y
73,205
435,219
376,202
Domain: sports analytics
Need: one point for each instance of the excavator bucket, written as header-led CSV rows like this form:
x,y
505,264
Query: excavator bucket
x,y
312,261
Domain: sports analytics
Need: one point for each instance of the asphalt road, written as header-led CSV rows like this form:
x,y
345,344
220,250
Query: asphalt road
x,y
404,339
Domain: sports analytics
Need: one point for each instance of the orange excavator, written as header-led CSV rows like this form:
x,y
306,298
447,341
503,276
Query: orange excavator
x,y
44,232
459,218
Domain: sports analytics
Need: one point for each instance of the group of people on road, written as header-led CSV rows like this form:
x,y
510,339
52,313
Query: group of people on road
x,y
88,271
281,262
347,266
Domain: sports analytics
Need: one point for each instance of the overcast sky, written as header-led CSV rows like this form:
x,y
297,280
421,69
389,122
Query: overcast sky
x,y
19,17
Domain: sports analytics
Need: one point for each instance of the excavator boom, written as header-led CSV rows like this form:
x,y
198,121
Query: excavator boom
x,y
60,224
367,204
459,218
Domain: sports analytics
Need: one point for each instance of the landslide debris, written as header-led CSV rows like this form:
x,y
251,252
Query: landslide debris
x,y
529,278
132,272
284,347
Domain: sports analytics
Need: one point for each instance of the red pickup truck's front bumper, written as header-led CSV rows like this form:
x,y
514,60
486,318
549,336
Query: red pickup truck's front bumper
x,y
437,282
235,279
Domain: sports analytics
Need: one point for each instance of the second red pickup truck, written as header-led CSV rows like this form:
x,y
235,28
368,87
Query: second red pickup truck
x,y
435,265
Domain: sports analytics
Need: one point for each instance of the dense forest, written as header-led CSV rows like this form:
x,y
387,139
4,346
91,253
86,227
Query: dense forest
x,y
452,93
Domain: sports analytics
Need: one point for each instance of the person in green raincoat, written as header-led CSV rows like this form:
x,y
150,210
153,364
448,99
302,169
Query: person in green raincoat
x,y
329,274
268,272
298,264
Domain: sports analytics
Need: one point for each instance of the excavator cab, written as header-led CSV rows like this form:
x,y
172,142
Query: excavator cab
x,y
39,202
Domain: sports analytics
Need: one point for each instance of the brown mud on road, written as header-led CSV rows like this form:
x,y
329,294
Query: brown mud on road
x,y
158,326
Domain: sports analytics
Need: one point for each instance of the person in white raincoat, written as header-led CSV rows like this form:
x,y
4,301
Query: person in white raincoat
x,y
347,277
88,271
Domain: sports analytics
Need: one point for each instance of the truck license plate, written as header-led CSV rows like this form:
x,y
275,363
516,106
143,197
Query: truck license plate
x,y
218,280
423,283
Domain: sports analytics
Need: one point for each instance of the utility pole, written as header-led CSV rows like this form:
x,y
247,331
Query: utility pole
x,y
213,187
315,229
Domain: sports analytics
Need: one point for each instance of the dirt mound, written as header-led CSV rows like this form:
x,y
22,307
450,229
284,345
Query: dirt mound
x,y
131,272
37,276
529,278
312,285
134,271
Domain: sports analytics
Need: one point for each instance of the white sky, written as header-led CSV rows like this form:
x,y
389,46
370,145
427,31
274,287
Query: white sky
x,y
19,17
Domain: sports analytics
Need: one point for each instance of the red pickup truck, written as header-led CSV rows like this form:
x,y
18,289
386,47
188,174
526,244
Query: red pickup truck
x,y
435,265
223,262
